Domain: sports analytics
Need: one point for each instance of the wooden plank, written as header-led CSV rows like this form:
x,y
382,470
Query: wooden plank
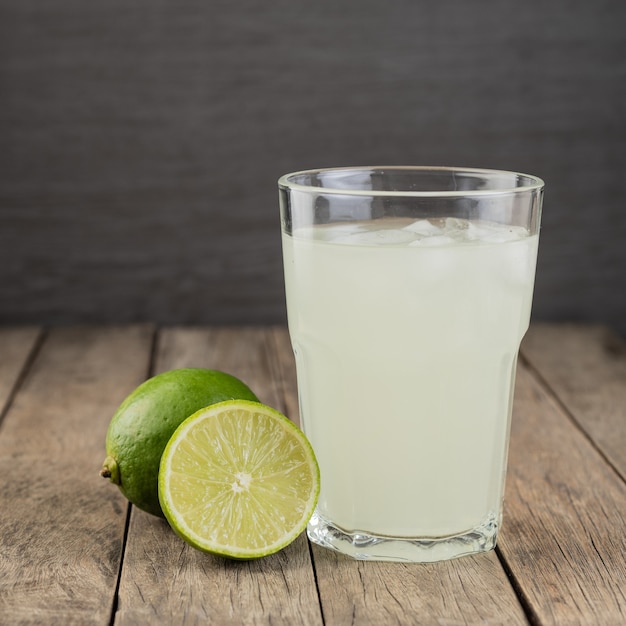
x,y
241,351
62,526
16,345
472,590
286,377
564,536
164,581
585,367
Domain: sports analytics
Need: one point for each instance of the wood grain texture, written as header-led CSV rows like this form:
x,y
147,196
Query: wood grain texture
x,y
560,558
564,535
165,581
585,367
16,345
141,142
62,525
244,352
472,590
286,365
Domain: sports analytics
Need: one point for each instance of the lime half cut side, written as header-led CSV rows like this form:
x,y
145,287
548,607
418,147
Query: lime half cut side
x,y
238,479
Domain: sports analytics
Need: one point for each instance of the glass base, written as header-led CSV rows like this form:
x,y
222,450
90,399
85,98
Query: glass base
x,y
363,546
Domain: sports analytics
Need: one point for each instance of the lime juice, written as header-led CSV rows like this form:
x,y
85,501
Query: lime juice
x,y
406,334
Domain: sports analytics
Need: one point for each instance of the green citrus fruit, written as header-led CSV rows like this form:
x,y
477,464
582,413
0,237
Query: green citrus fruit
x,y
238,479
145,421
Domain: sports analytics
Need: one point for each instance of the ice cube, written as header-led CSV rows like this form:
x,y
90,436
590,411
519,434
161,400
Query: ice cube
x,y
506,233
423,227
382,237
475,232
455,228
332,232
454,223
495,233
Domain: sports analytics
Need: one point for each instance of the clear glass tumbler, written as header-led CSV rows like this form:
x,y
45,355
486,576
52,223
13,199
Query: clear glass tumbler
x,y
409,290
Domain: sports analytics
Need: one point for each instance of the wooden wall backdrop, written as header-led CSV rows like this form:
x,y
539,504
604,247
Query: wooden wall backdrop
x,y
141,140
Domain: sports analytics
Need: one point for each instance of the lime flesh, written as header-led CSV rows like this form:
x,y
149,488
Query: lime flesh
x,y
238,479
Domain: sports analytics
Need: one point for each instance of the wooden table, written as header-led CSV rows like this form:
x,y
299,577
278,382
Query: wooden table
x,y
72,551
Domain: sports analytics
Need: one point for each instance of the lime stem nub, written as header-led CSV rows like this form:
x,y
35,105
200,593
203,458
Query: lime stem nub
x,y
110,470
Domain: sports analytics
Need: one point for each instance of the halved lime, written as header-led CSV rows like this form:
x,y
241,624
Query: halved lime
x,y
238,479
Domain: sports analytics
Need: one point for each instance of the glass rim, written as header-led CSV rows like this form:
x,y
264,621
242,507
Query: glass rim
x,y
534,182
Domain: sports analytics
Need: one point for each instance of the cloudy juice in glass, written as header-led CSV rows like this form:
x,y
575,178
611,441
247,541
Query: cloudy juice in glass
x,y
408,292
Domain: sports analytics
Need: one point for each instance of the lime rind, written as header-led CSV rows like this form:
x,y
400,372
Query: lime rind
x,y
260,492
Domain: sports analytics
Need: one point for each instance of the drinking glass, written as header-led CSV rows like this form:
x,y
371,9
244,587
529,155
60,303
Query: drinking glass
x,y
408,291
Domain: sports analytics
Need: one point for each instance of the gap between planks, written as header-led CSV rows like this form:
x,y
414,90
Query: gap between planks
x,y
584,367
18,348
62,528
564,532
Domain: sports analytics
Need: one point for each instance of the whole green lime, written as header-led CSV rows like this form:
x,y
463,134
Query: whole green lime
x,y
145,421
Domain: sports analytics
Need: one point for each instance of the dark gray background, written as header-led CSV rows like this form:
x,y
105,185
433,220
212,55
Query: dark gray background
x,y
141,140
